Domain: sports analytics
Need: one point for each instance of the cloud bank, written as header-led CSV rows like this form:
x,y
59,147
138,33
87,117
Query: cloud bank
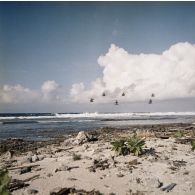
x,y
50,91
168,75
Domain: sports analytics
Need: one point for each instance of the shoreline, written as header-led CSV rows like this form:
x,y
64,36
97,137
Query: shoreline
x,y
167,159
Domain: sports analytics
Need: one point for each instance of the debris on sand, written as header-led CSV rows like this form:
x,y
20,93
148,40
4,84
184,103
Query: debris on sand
x,y
169,187
99,164
70,191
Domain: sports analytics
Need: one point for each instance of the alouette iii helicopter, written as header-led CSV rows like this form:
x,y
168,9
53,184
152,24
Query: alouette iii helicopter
x,y
91,100
123,94
116,103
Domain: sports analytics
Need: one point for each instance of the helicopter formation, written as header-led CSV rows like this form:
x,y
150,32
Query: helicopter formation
x,y
116,103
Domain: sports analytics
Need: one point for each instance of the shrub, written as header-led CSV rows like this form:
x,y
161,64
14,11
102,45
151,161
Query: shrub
x,y
179,134
76,156
193,145
126,146
4,182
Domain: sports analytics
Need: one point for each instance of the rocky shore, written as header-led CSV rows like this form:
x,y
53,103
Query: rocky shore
x,y
85,163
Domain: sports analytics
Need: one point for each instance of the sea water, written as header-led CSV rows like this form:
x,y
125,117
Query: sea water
x,y
40,126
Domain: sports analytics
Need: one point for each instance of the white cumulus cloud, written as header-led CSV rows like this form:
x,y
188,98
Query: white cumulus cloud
x,y
16,94
168,75
50,91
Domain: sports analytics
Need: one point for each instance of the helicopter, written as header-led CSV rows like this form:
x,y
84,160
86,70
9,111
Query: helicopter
x,y
116,103
91,100
103,94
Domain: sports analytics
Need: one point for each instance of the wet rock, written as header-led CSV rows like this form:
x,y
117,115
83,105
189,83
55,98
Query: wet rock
x,y
32,191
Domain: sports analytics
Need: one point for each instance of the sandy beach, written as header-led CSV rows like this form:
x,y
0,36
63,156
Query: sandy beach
x,y
86,164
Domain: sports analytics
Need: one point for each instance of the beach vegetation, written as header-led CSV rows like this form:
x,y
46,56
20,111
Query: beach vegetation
x,y
179,134
4,182
124,146
193,145
76,157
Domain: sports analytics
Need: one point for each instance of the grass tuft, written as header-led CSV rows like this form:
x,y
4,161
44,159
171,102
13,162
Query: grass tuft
x,y
76,157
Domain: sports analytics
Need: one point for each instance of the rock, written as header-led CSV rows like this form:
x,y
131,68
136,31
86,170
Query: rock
x,y
35,158
68,142
153,182
81,138
41,157
120,175
65,168
25,170
25,160
55,190
7,155
32,191
49,175
71,179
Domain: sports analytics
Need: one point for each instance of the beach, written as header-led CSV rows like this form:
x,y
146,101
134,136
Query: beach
x,y
85,163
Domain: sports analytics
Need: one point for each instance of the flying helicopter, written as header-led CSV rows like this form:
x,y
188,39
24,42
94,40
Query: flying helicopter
x,y
91,100
150,101
116,103
103,94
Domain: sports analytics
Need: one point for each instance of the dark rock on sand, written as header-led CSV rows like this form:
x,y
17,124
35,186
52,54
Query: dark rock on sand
x,y
32,191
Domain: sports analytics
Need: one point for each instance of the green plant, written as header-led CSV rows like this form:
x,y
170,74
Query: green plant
x,y
135,145
193,145
4,182
120,146
179,134
76,156
126,146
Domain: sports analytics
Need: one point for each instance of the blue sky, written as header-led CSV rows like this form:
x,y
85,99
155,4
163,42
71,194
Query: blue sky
x,y
61,41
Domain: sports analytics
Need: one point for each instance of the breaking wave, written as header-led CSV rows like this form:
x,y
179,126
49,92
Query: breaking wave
x,y
94,115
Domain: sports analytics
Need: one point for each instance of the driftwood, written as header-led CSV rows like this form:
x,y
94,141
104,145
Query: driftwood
x,y
62,149
31,178
21,167
17,184
66,168
184,140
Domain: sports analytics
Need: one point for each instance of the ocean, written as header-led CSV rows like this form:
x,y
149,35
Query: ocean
x,y
44,126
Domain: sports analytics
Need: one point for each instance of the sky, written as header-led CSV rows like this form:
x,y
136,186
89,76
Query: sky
x,y
55,56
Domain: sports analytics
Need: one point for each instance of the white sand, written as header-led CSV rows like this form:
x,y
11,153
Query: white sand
x,y
142,177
